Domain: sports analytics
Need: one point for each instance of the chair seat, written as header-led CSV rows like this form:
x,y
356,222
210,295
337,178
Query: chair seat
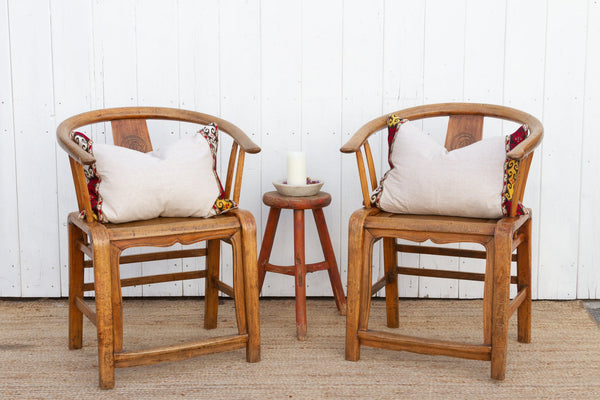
x,y
161,226
436,223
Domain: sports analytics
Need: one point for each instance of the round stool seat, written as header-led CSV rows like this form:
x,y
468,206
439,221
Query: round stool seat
x,y
319,200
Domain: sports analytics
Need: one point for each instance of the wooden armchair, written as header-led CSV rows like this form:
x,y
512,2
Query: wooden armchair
x,y
103,244
500,238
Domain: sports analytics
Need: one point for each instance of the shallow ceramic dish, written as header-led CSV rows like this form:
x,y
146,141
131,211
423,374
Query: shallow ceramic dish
x,y
309,189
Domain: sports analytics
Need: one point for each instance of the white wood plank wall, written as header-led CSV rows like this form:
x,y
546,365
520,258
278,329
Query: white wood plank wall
x,y
300,75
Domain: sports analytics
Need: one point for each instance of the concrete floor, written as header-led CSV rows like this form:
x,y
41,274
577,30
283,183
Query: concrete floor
x,y
593,306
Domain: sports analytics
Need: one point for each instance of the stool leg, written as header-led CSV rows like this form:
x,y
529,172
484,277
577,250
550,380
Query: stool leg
x,y
334,274
300,274
267,244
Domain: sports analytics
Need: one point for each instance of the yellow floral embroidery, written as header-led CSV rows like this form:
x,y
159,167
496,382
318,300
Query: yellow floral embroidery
x,y
512,170
393,120
223,205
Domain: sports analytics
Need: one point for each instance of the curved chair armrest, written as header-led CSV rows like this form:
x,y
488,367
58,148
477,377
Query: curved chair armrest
x,y
447,109
536,133
359,138
244,141
64,129
63,134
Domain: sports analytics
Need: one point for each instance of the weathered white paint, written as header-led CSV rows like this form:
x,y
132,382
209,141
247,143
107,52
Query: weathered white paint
x,y
299,75
322,84
32,76
10,270
566,28
588,268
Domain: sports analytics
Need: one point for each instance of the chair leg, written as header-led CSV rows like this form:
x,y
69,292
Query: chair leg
x,y
211,291
500,299
239,296
267,244
356,264
366,281
488,289
75,287
334,274
390,262
104,324
353,305
251,288
117,300
300,268
524,278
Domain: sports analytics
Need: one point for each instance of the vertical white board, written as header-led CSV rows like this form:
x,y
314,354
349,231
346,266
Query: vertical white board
x,y
240,92
588,274
321,124
483,83
524,61
35,147
10,267
71,64
564,91
443,81
403,48
158,84
198,66
362,72
281,129
115,79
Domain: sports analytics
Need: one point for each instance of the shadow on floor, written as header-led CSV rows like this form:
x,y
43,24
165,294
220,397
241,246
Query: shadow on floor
x,y
594,308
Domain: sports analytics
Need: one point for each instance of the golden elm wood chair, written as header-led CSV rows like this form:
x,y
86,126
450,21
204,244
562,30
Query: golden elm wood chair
x,y
103,243
500,237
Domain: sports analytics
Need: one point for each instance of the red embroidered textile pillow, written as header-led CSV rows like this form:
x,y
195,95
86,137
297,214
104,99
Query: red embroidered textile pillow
x,y
424,178
178,181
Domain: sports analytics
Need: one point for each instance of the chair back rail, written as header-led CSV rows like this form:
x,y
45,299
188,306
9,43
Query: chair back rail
x,y
520,184
238,176
81,190
131,133
465,126
463,130
371,165
130,130
364,185
230,169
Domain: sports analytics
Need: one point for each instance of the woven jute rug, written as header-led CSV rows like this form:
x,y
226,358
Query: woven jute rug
x,y
562,362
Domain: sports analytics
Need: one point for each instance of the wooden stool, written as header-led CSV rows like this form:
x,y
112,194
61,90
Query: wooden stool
x,y
315,203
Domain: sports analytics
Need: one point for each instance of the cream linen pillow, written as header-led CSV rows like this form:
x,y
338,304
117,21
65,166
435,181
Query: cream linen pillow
x,y
427,179
178,181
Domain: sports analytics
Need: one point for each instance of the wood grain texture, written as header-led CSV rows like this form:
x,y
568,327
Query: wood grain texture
x,y
300,268
104,242
500,237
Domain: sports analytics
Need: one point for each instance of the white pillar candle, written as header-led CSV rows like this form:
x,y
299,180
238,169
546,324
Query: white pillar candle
x,y
296,168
